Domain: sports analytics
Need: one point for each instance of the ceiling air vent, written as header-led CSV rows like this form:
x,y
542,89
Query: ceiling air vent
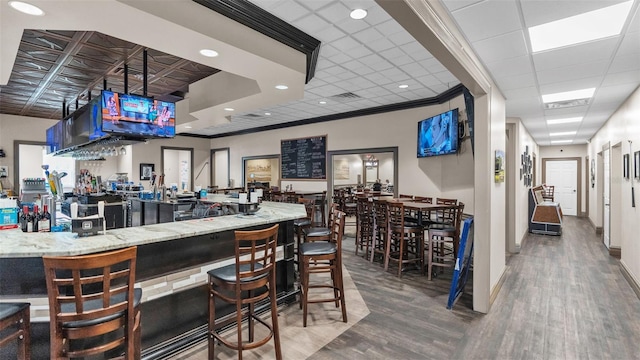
x,y
566,104
348,96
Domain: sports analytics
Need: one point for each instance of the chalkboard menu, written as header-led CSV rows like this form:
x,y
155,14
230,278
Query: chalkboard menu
x,y
304,158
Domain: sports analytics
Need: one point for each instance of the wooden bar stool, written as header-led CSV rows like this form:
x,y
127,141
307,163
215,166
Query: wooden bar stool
x,y
305,222
93,297
324,257
380,211
442,242
16,316
406,240
364,225
250,280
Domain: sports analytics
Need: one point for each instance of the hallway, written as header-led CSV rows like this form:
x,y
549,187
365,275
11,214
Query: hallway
x,y
562,298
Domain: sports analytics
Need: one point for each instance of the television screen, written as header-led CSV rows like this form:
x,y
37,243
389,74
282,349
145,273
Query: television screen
x,y
137,115
438,135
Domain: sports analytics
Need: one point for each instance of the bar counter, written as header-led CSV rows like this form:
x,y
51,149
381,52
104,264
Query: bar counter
x,y
172,264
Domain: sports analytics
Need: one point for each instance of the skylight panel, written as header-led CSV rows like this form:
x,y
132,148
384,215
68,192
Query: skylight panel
x,y
589,26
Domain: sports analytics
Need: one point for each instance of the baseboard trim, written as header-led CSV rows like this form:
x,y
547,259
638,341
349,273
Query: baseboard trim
x,y
583,214
616,252
598,229
633,282
496,289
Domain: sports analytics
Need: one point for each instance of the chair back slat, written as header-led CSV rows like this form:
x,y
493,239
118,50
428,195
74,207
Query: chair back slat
x,y
255,256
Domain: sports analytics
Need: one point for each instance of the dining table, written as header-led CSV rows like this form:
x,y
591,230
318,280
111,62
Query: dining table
x,y
422,210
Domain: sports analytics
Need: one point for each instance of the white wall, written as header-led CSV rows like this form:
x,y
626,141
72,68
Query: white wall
x,y
24,128
355,169
621,127
435,176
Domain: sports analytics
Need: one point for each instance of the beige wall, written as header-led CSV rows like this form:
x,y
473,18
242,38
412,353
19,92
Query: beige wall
x,y
621,127
450,175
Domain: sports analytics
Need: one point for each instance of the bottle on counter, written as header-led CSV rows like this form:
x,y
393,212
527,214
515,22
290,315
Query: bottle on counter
x,y
24,216
34,218
44,223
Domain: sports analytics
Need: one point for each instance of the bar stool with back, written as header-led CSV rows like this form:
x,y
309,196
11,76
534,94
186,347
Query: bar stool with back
x,y
406,239
93,305
442,241
251,279
16,316
323,257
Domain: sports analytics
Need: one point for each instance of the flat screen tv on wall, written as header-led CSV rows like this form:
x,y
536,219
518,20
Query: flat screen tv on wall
x,y
134,115
438,135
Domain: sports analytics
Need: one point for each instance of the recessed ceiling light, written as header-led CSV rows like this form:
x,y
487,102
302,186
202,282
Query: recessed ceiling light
x,y
187,127
282,87
229,109
267,113
26,8
569,95
208,53
403,86
592,25
564,121
358,14
322,102
561,141
564,133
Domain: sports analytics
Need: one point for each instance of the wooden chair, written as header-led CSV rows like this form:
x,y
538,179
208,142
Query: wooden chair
x,y
406,239
15,325
364,225
93,296
323,257
380,211
243,284
321,203
442,242
320,233
305,222
548,193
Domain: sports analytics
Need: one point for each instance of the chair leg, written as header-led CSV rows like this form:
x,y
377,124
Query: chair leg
x,y
341,285
250,320
212,324
387,252
239,324
274,317
429,257
305,290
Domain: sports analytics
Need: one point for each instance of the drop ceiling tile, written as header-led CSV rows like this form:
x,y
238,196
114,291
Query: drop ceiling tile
x,y
389,27
433,65
574,72
576,54
446,77
516,81
458,4
632,76
630,44
395,73
288,11
421,55
346,44
368,35
380,45
312,23
401,38
313,5
339,58
382,65
624,63
402,60
329,34
488,19
360,51
527,92
510,67
428,80
584,83
334,12
414,70
350,25
503,46
610,94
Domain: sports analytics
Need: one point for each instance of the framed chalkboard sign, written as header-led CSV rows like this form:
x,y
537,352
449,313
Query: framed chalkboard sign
x,y
304,158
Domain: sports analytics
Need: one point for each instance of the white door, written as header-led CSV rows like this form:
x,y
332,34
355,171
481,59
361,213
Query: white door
x,y
563,175
607,198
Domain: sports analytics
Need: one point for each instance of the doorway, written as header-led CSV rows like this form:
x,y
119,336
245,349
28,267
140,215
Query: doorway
x,y
344,167
262,171
219,160
562,173
615,199
177,167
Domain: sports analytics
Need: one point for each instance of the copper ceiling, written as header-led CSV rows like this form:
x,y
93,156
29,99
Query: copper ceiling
x,y
56,66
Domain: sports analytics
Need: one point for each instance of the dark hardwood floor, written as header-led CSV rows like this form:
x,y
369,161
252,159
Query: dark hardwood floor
x,y
563,297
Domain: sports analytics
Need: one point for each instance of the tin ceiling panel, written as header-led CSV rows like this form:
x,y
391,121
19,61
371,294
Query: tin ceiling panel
x,y
56,66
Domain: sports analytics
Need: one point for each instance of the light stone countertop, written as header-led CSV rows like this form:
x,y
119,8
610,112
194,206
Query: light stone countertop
x,y
16,244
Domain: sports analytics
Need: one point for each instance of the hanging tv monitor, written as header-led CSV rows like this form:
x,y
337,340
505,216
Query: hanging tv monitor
x,y
438,135
138,116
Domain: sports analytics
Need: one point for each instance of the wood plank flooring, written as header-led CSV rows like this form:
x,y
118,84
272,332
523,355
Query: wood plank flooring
x,y
563,298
